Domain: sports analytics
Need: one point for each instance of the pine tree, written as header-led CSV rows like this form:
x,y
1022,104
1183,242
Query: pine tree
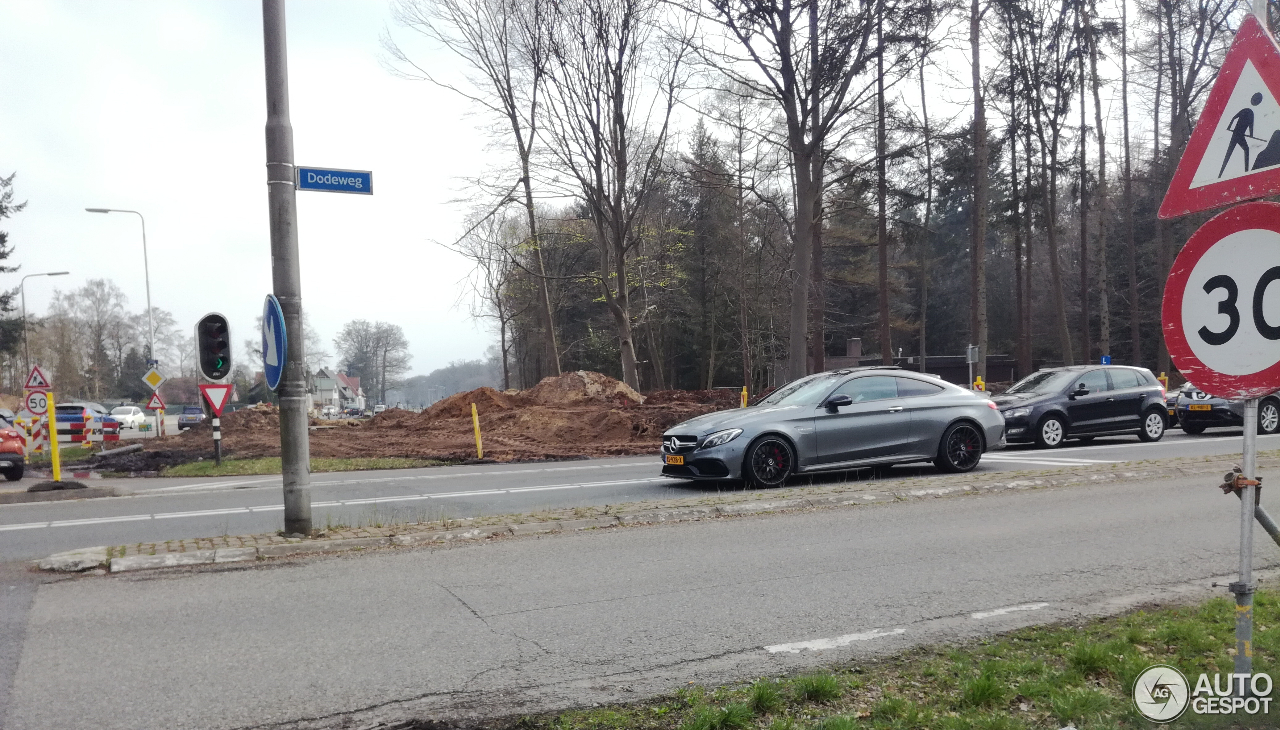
x,y
10,327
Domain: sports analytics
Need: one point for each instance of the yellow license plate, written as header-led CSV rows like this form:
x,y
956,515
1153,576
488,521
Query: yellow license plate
x,y
1201,407
1171,412
675,460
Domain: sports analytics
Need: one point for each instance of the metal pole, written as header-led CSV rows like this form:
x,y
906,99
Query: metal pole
x,y
1244,588
286,276
146,272
217,441
26,351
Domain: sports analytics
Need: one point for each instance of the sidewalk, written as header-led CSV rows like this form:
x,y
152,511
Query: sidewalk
x,y
495,627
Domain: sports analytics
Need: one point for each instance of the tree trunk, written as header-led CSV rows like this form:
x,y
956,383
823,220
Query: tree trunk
x,y
978,225
1086,339
818,343
544,290
882,190
1019,288
797,352
927,233
1049,187
1026,359
1135,331
1100,200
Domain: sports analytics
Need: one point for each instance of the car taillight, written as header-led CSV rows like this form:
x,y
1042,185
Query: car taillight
x,y
993,406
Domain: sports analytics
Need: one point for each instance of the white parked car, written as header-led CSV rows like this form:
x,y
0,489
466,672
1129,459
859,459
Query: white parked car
x,y
129,416
379,408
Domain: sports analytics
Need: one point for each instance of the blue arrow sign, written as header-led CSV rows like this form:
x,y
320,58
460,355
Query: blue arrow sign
x,y
335,181
275,346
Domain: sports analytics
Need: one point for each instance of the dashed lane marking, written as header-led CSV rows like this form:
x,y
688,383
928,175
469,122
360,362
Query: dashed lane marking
x,y
333,503
832,643
1008,609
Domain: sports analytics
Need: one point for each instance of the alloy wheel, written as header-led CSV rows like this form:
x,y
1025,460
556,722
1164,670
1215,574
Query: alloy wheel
x,y
771,462
964,447
1268,418
1051,432
1154,425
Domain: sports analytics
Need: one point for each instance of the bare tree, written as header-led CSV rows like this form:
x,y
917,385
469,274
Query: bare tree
x,y
488,245
612,88
803,57
507,42
978,214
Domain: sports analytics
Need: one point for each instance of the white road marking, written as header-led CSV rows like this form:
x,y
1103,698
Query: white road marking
x,y
832,643
333,503
202,486
1008,609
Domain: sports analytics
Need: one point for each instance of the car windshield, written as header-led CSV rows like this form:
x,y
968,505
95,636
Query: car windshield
x,y
805,391
1047,381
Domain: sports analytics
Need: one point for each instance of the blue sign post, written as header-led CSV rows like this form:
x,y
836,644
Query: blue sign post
x,y
275,345
359,182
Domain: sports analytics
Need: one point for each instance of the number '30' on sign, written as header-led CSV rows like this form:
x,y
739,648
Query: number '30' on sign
x,y
1221,313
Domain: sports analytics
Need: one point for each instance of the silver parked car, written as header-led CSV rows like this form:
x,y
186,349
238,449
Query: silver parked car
x,y
840,419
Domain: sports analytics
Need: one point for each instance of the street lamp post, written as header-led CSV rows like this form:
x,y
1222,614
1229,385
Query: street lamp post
x,y
22,286
146,270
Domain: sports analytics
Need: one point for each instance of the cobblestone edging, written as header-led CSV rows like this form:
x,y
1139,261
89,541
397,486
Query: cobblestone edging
x,y
246,548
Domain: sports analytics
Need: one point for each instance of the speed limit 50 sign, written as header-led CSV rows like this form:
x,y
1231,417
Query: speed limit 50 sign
x,y
1221,313
37,402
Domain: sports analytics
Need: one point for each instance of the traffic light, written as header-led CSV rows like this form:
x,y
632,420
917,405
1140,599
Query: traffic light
x,y
213,342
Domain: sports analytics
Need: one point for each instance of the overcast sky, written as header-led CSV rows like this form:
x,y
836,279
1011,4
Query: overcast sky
x,y
159,107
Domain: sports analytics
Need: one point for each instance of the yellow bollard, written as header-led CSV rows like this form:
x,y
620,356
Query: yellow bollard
x,y
744,396
54,454
1164,380
978,384
475,421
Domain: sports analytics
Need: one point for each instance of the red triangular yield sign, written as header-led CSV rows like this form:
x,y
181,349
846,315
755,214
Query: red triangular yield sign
x,y
37,380
155,404
218,394
1234,152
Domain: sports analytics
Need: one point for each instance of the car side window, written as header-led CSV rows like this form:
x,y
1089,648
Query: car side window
x,y
869,388
911,388
1095,381
1122,379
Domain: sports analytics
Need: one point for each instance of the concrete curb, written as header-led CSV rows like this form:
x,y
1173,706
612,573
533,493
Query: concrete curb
x,y
99,557
59,495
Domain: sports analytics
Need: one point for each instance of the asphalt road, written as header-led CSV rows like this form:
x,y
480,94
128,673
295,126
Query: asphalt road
x,y
522,625
167,509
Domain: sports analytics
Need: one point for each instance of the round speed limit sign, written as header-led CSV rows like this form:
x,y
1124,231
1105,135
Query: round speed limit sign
x,y
1221,315
37,403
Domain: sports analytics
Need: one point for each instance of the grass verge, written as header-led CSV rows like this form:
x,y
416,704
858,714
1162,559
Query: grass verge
x,y
68,453
271,465
1038,678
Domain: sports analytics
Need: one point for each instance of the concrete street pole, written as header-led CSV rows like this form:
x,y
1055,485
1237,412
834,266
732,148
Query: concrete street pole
x,y
146,273
286,275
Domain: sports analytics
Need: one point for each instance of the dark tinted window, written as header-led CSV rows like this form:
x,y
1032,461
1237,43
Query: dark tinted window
x,y
1095,381
910,387
1122,378
870,387
192,410
1044,381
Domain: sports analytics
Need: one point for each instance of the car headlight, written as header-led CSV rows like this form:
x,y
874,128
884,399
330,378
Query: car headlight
x,y
720,438
1017,413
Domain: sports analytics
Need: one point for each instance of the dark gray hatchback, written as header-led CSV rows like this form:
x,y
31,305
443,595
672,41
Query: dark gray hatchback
x,y
1081,402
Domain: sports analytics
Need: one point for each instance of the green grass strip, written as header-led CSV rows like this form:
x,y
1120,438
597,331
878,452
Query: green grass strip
x,y
1040,678
271,465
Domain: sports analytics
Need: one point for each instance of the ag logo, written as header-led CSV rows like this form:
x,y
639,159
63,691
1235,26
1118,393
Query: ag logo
x,y
1160,693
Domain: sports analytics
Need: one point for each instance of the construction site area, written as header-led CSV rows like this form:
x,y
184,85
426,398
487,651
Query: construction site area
x,y
575,415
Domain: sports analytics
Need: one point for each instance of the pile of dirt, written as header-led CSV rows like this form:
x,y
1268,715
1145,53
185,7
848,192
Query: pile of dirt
x,y
580,388
574,415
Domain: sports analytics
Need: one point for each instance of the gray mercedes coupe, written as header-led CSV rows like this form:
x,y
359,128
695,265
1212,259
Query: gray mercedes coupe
x,y
840,419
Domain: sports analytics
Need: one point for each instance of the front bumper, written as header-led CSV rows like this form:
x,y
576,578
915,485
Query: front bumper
x,y
720,462
11,461
1218,415
1019,430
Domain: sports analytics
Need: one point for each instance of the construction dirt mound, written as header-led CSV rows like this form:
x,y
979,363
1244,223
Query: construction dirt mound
x,y
574,415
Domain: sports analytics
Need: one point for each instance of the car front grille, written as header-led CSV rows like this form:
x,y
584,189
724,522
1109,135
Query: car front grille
x,y
679,444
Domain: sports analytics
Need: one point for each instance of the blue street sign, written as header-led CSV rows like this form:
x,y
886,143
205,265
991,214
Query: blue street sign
x,y
1106,359
335,181
275,346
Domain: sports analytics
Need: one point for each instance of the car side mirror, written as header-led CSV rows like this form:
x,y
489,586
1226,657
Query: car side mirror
x,y
836,401
1079,391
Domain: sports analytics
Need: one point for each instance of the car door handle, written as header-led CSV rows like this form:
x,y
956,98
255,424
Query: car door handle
x,y
895,409
1110,399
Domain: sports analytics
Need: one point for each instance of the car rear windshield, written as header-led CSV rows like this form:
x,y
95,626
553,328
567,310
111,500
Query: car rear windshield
x,y
192,410
805,391
1047,381
122,411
